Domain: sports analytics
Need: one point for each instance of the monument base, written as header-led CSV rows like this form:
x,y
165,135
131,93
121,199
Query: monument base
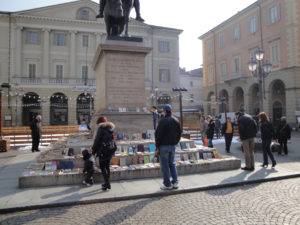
x,y
130,122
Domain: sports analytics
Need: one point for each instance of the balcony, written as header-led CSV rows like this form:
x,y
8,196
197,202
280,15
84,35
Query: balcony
x,y
52,81
242,76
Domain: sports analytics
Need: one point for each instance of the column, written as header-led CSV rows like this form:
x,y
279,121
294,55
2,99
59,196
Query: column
x,y
98,39
46,53
73,54
19,48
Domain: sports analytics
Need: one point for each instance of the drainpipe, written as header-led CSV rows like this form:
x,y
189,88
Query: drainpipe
x,y
215,68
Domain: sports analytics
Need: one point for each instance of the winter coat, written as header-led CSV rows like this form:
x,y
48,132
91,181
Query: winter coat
x,y
267,130
35,129
89,162
217,124
224,127
168,131
283,132
211,129
203,126
106,128
247,127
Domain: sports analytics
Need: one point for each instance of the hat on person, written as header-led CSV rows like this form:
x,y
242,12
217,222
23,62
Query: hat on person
x,y
167,107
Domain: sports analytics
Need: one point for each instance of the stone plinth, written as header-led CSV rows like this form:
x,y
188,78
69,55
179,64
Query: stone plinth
x,y
68,179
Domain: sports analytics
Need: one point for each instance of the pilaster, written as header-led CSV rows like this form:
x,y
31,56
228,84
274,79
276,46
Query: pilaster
x,y
46,51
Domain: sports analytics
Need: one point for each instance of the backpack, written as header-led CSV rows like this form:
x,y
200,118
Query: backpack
x,y
108,145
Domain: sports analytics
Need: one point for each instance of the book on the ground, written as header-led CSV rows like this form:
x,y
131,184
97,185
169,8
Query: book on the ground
x,y
144,135
152,147
122,161
196,155
130,150
140,159
120,137
185,157
140,148
146,159
115,161
53,166
151,158
177,148
146,148
192,144
183,145
70,165
115,136
150,134
191,156
62,165
134,160
216,154
177,157
48,165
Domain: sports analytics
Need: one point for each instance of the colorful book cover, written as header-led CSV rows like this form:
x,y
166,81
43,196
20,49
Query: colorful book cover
x,y
146,148
177,157
152,147
53,166
122,161
130,137
144,135
216,154
115,161
134,148
150,134
120,137
125,148
48,165
187,145
140,159
192,144
140,148
115,136
177,148
135,160
130,151
146,159
196,155
183,145
151,158
185,157
205,155
191,156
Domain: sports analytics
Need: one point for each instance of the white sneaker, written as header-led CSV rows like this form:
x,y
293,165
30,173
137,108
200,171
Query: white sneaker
x,y
165,188
175,186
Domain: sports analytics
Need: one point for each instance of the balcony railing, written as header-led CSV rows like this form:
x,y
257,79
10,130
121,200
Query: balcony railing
x,y
52,81
237,76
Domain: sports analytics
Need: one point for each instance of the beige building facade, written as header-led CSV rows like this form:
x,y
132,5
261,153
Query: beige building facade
x,y
46,56
270,25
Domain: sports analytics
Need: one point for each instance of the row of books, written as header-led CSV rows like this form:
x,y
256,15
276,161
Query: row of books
x,y
135,136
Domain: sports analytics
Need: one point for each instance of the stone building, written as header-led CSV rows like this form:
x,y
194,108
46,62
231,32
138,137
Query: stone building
x,y
270,25
46,55
192,81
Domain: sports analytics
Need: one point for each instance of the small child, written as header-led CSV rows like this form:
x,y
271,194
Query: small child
x,y
89,167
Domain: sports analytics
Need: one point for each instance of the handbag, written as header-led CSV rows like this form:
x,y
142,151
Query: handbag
x,y
275,147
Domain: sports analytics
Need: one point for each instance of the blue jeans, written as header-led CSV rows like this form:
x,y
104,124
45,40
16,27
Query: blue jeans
x,y
209,143
167,164
267,152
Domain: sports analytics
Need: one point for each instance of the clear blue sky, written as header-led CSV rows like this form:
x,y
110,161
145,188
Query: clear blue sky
x,y
195,17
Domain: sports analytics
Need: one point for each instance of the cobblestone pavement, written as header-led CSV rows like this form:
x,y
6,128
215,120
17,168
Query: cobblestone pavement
x,y
267,203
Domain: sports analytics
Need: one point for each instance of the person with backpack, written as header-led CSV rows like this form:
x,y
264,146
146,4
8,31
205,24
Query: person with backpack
x,y
267,134
283,134
104,147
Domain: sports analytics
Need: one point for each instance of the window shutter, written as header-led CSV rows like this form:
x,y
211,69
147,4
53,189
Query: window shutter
x,y
268,19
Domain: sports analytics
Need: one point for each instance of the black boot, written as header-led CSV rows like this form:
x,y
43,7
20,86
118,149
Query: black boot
x,y
136,5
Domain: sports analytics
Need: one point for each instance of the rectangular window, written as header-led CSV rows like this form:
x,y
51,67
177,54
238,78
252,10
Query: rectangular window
x,y
223,69
253,25
164,46
60,39
236,65
211,73
32,37
164,75
32,71
85,41
221,41
274,14
275,52
209,47
59,72
84,72
236,33
84,14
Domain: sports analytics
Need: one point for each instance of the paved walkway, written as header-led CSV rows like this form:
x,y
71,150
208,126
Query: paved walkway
x,y
12,198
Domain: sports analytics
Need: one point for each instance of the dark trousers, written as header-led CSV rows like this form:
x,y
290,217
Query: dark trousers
x,y
228,139
104,166
283,145
89,177
35,143
267,151
218,133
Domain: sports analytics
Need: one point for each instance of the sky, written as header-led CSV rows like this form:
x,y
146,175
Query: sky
x,y
194,17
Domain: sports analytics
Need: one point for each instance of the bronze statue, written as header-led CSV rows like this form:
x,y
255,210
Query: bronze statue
x,y
136,5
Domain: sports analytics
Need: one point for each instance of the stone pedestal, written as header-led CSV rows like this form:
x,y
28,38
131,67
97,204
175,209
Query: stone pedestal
x,y
120,82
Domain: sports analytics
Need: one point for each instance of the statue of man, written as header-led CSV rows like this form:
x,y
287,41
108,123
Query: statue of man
x,y
136,5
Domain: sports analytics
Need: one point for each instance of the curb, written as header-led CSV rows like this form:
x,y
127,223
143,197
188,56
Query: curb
x,y
150,195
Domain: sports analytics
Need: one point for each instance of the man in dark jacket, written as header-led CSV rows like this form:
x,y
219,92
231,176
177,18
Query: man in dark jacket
x,y
167,136
247,130
210,131
155,116
36,132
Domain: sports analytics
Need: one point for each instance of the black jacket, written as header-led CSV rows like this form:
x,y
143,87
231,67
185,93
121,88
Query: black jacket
x,y
106,128
168,131
247,127
283,132
35,131
89,162
267,130
210,130
224,127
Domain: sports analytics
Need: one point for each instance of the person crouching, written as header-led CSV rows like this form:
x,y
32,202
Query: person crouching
x,y
89,167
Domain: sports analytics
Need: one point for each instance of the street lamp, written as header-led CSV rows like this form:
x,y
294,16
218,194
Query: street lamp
x,y
261,70
180,90
156,91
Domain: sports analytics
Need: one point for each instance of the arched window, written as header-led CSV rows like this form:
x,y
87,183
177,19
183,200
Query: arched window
x,y
85,14
84,105
30,107
58,109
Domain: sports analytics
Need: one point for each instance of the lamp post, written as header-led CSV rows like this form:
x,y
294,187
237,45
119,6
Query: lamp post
x,y
180,90
262,70
223,101
156,91
3,85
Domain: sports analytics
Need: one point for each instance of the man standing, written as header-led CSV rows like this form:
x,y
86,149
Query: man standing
x,y
136,5
167,136
203,128
217,127
227,132
247,130
36,132
155,116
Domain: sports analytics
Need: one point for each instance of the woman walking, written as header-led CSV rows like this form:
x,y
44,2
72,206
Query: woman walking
x,y
267,134
283,134
103,138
